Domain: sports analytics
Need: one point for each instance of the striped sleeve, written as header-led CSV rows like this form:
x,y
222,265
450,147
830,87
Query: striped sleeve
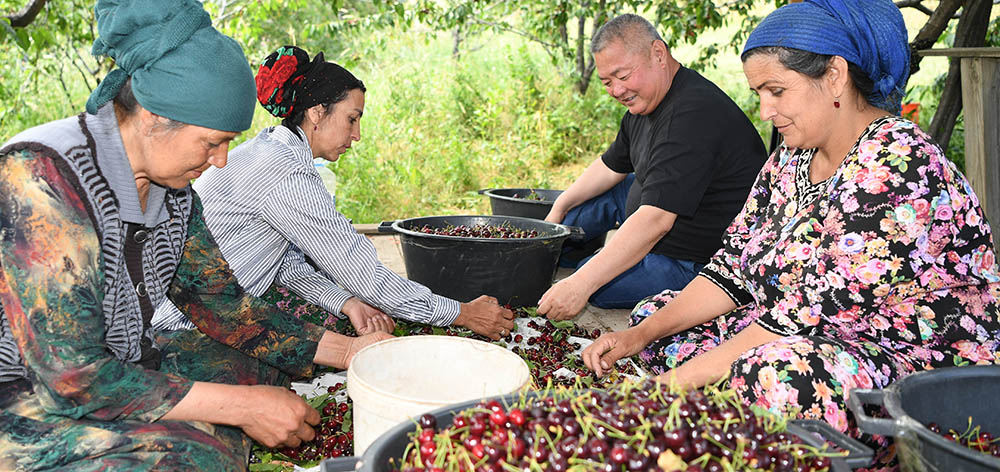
x,y
300,208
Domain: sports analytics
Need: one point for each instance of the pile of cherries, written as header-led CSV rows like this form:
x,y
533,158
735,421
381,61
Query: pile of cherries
x,y
500,231
334,433
634,427
532,195
552,356
554,359
973,438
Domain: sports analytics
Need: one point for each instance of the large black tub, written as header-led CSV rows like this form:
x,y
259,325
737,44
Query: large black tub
x,y
515,271
949,397
516,201
392,444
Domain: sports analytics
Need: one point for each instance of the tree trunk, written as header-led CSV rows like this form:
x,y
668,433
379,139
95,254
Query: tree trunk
x,y
931,31
456,49
970,32
581,58
27,15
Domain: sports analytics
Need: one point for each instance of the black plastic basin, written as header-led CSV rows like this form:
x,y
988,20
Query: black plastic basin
x,y
949,397
514,201
392,444
515,271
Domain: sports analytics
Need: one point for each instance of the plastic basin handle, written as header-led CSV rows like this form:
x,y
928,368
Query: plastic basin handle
x,y
861,397
859,455
386,227
576,233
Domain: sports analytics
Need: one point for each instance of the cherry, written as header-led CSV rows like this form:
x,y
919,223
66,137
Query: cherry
x,y
427,421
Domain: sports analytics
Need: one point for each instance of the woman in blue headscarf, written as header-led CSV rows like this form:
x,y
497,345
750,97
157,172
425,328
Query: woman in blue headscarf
x,y
98,225
861,255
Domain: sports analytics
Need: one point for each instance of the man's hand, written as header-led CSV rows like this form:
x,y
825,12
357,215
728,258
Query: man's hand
x,y
607,349
276,416
564,300
366,318
486,317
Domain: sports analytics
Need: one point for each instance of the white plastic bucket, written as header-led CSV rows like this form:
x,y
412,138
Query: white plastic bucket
x,y
397,379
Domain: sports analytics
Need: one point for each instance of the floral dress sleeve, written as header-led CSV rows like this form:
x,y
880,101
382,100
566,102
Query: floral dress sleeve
x,y
883,252
51,289
725,269
205,289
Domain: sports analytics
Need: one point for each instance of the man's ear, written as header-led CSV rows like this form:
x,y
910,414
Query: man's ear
x,y
658,52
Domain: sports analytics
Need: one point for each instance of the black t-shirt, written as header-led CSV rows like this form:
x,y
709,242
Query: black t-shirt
x,y
696,155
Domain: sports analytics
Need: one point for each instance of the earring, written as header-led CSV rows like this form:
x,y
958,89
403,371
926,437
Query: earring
x,y
317,127
836,102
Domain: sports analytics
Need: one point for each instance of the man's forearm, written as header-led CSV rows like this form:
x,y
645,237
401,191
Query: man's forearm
x,y
630,244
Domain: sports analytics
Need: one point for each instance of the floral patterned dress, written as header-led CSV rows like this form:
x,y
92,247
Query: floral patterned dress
x,y
884,269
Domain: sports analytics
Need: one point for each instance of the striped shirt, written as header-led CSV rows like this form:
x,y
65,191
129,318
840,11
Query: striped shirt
x,y
268,210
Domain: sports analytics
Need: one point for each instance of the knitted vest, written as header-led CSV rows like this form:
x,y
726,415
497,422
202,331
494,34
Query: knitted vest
x,y
73,144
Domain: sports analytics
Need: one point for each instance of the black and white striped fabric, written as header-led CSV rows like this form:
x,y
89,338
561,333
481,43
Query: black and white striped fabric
x,y
268,210
91,147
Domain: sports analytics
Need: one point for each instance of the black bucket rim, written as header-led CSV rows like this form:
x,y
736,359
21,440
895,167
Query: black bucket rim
x,y
377,453
491,193
907,423
561,231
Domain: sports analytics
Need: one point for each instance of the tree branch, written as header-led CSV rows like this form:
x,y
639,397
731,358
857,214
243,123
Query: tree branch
x,y
931,31
518,32
27,15
914,4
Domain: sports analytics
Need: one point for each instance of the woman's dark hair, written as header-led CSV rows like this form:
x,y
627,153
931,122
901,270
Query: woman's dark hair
x,y
126,103
295,119
814,65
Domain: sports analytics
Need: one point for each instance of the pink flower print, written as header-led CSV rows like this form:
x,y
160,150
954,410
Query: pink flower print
x,y
899,148
869,150
808,317
867,274
851,243
799,251
880,323
835,279
943,212
862,380
851,204
835,416
921,207
872,180
685,350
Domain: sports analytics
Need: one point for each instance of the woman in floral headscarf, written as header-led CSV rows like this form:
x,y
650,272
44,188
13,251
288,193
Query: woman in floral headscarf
x,y
98,225
861,255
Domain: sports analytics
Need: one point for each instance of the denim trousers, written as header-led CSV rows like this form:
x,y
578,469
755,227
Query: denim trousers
x,y
651,275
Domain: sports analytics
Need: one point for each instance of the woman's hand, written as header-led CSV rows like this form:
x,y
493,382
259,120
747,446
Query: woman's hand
x,y
486,317
601,356
366,318
276,416
272,416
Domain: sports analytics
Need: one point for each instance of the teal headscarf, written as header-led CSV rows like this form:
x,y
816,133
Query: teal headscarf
x,y
181,67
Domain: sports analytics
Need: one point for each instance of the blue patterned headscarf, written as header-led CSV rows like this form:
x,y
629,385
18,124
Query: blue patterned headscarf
x,y
181,67
868,33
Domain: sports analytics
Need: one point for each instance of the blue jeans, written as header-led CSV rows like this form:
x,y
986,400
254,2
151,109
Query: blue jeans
x,y
653,274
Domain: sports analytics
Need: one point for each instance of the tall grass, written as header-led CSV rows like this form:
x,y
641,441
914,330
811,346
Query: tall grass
x,y
437,129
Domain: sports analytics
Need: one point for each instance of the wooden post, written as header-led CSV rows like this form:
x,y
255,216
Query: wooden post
x,y
981,106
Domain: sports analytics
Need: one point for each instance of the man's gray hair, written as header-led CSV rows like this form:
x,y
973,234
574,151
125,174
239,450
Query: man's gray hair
x,y
632,30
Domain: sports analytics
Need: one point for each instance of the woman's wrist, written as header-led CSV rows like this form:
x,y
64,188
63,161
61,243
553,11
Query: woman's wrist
x,y
332,349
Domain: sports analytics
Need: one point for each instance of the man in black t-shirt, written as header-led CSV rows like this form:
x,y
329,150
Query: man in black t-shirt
x,y
674,178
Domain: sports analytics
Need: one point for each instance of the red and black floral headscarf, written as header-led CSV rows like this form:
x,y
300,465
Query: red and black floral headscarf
x,y
288,82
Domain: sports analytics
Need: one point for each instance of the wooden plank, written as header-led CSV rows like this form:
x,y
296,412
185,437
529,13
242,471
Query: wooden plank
x,y
961,52
366,228
981,106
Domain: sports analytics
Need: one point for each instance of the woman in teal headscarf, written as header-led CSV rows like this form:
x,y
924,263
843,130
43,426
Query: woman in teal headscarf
x,y
861,255
98,226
